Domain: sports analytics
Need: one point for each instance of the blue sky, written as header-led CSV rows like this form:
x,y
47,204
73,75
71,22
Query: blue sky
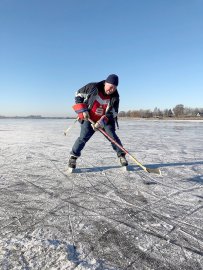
x,y
51,48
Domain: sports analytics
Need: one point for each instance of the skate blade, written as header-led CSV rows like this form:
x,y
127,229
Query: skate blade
x,y
70,170
124,168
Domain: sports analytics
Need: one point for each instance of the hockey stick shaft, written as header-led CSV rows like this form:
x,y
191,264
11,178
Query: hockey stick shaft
x,y
69,128
149,170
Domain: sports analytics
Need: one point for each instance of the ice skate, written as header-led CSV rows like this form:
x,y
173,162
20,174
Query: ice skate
x,y
72,164
123,162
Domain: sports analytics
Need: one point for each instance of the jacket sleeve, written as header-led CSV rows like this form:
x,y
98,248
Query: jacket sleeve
x,y
83,93
112,112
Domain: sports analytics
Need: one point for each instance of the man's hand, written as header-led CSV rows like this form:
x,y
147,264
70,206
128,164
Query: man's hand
x,y
101,123
82,111
86,115
96,126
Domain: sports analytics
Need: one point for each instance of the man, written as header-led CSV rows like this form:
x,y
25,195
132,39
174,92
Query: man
x,y
99,102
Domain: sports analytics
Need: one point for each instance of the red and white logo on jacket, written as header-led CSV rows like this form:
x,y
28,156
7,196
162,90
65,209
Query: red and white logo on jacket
x,y
99,107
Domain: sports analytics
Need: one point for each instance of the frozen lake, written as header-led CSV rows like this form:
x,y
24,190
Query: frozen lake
x,y
101,217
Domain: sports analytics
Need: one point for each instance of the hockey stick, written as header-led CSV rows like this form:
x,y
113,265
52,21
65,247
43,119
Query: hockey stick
x,y
68,129
149,170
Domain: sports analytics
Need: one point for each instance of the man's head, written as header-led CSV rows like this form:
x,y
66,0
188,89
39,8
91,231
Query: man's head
x,y
111,84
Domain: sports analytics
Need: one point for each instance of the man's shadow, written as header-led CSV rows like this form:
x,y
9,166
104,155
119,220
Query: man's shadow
x,y
197,179
96,169
131,167
175,164
135,167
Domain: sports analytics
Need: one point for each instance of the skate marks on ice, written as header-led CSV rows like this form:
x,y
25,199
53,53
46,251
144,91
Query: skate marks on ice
x,y
33,251
99,219
127,227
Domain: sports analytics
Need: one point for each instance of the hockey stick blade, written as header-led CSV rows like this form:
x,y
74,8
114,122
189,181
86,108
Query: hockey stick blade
x,y
153,170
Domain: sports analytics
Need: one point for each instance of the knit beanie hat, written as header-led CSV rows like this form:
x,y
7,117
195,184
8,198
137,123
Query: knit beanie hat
x,y
112,79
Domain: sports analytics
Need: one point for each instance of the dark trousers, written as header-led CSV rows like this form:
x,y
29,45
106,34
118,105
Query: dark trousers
x,y
86,133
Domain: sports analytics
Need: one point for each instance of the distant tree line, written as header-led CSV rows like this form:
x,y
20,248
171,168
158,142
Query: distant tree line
x,y
179,111
34,117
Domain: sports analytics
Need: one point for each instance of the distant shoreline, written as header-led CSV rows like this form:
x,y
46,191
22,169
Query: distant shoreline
x,y
199,119
195,119
35,117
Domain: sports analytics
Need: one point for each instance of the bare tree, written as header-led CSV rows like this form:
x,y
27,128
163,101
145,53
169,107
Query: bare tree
x,y
155,112
170,113
178,110
122,114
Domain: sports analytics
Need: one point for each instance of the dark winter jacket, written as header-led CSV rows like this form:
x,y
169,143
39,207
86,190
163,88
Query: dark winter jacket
x,y
87,94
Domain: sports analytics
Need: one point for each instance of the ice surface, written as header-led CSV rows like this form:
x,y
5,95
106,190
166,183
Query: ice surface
x,y
101,217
